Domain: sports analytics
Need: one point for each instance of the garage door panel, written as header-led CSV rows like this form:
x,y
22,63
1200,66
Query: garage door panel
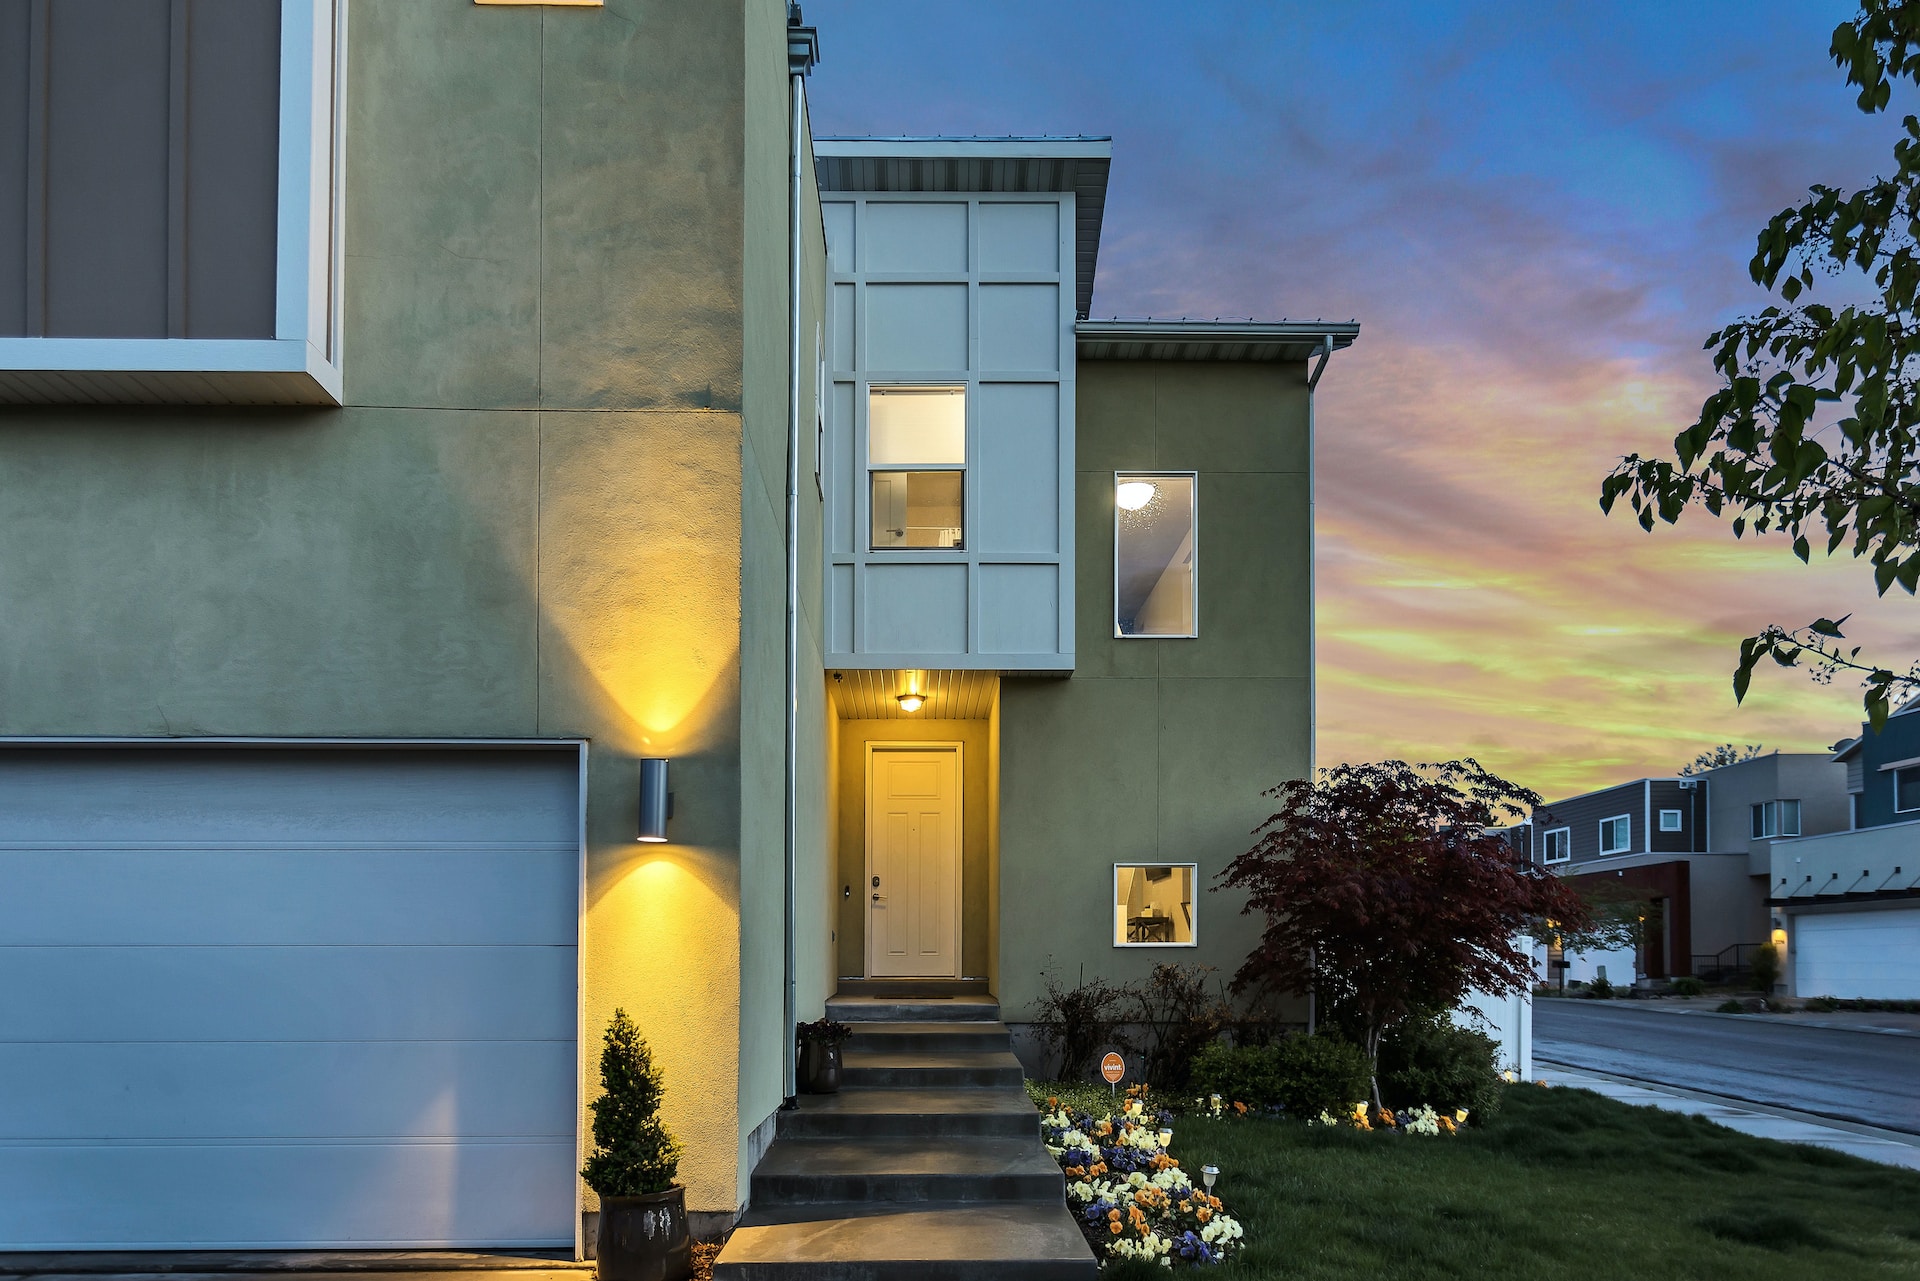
x,y
289,1090
296,795
455,992
1871,955
325,894
334,1195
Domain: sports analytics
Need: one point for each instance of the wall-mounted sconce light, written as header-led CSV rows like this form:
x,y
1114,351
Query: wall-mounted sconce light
x,y
656,802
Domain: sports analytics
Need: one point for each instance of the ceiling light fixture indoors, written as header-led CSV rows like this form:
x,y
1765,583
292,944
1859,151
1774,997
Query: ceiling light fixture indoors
x,y
1134,494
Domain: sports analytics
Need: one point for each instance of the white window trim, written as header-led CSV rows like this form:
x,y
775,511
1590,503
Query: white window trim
x,y
964,467
1545,842
1679,820
1617,818
1896,794
1193,883
309,265
1194,528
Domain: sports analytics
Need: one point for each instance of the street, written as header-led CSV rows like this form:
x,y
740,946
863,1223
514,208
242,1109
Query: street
x,y
1863,1076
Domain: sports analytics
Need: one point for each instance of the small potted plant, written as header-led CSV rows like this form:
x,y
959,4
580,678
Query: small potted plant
x,y
818,1045
643,1212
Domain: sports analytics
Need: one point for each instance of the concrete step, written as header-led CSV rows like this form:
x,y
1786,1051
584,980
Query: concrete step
x,y
865,1069
929,1038
926,1009
813,1171
931,1242
925,1114
913,987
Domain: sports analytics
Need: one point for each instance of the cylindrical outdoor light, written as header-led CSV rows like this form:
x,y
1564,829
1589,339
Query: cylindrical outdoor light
x,y
654,809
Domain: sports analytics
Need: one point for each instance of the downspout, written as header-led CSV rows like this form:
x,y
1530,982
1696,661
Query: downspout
x,y
803,50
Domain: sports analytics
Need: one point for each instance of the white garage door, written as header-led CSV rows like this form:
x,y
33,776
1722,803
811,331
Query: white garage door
x,y
1872,954
287,998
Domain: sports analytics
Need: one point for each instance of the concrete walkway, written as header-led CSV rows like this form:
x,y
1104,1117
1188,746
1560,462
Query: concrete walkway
x,y
1888,1147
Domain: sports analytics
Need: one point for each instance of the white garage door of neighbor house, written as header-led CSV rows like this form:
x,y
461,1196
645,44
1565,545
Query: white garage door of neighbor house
x,y
1870,954
287,998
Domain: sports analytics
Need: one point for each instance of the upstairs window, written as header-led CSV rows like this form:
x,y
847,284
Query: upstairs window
x,y
1776,818
1616,834
1556,846
1155,587
1671,820
917,466
1906,789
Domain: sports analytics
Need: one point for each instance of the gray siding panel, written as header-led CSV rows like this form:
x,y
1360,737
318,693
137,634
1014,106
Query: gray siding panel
x,y
107,159
232,162
15,23
1582,814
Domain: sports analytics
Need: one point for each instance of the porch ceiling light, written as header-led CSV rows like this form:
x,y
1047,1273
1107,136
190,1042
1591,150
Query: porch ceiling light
x,y
1132,495
909,701
656,803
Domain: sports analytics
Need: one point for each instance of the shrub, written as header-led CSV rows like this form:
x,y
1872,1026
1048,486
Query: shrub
x,y
1600,990
1178,1012
1730,1007
632,1151
1431,1061
1306,1075
1076,1023
1823,1004
1688,986
1766,966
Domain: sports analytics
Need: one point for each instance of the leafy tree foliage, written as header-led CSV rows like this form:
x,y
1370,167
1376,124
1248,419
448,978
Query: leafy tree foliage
x,y
1386,892
632,1151
1757,452
1725,754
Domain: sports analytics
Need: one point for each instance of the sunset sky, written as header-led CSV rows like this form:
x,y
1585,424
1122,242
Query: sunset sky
x,y
1537,212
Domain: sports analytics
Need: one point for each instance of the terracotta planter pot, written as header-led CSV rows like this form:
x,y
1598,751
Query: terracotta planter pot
x,y
820,1067
645,1238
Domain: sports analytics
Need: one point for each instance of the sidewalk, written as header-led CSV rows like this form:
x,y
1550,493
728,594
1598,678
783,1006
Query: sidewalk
x,y
1883,1022
1888,1147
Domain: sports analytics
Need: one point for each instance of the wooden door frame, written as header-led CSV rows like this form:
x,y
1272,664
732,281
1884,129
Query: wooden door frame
x,y
958,749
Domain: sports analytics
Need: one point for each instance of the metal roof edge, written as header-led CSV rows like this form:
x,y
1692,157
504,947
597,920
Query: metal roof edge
x,y
1080,147
1343,332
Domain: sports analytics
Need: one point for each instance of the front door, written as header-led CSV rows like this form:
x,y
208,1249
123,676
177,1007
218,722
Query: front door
x,y
913,861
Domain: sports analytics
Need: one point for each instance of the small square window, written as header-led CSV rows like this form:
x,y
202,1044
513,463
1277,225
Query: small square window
x,y
1154,571
1670,820
1616,834
1153,905
1557,845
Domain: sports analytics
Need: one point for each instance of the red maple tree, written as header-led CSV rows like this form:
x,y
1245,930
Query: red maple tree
x,y
1387,892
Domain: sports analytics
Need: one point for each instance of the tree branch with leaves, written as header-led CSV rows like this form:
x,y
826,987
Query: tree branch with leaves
x,y
1761,450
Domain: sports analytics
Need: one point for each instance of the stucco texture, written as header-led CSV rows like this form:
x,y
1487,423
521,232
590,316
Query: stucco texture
x,y
532,518
1158,750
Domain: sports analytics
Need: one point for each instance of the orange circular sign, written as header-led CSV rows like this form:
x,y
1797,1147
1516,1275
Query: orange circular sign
x,y
1113,1067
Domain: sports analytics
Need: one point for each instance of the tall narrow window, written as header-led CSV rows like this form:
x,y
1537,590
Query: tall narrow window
x,y
917,461
1155,586
1557,845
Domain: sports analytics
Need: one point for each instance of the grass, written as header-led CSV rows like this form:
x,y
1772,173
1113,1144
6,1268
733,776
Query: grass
x,y
1561,1184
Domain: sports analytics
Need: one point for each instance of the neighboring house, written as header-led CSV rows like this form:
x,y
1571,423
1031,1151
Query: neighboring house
x,y
1694,849
1847,904
396,456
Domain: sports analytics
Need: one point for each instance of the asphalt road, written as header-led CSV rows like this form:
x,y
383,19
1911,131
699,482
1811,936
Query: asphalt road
x,y
1861,1076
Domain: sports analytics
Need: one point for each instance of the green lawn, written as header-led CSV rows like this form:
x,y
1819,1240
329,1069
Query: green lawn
x,y
1561,1185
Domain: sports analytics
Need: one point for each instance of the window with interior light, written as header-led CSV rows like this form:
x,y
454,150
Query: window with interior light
x,y
1153,904
1556,845
1155,584
917,467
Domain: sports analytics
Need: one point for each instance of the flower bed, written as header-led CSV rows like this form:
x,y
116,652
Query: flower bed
x,y
1129,1194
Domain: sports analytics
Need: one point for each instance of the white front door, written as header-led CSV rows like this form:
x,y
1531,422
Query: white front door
x,y
913,862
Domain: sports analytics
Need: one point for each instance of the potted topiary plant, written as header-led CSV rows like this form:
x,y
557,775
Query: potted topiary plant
x,y
643,1212
818,1045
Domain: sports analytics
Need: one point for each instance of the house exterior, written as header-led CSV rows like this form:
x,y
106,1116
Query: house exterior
x,y
1695,848
1846,903
395,456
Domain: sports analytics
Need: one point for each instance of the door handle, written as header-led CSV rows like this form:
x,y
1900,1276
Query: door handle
x,y
878,899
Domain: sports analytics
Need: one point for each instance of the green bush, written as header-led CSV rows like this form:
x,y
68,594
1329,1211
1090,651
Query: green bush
x,y
1823,1004
1306,1075
632,1151
1600,990
1730,1007
1766,966
1431,1061
1688,986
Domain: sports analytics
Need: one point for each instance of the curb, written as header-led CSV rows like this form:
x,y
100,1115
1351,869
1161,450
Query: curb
x,y
1777,1020
1828,1120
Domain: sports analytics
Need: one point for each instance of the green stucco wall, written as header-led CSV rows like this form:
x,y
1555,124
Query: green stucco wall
x,y
565,309
1158,750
